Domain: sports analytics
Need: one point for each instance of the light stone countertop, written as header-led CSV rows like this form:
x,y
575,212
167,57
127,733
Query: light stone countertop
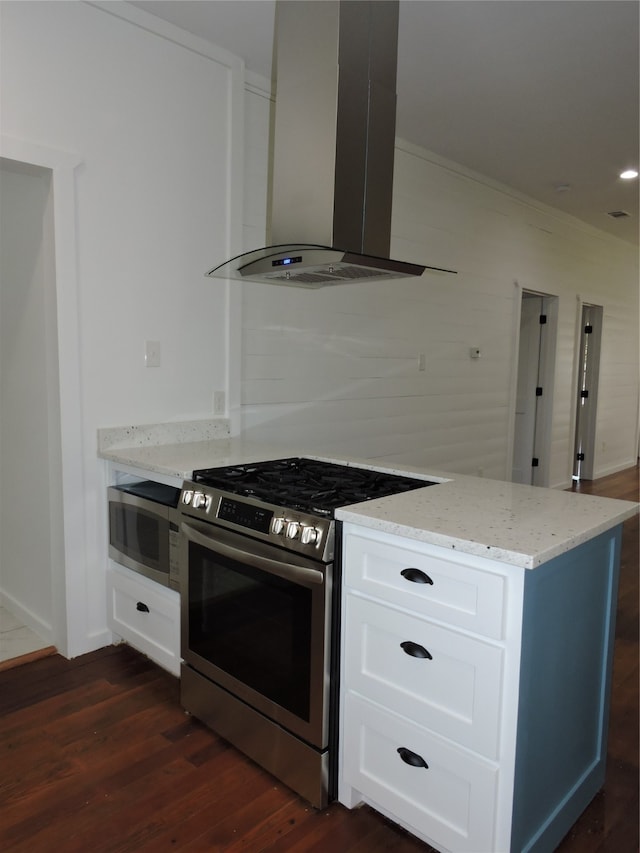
x,y
157,435
521,525
182,458
178,452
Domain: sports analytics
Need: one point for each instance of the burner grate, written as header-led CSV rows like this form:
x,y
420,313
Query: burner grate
x,y
309,485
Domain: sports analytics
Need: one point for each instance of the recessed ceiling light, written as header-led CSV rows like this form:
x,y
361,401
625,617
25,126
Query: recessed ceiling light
x,y
628,174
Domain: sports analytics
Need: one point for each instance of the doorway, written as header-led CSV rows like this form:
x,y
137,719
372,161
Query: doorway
x,y
587,392
30,459
63,481
534,391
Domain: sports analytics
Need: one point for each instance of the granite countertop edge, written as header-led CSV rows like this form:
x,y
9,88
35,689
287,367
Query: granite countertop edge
x,y
524,526
512,556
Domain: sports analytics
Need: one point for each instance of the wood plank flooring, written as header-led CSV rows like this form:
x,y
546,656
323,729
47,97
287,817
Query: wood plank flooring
x,y
97,755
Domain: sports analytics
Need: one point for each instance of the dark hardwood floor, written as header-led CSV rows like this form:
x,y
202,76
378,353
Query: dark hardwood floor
x,y
97,755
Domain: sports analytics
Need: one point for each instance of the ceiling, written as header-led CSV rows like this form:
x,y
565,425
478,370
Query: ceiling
x,y
540,95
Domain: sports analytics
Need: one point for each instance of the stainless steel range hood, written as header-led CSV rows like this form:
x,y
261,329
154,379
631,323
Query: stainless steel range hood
x,y
334,141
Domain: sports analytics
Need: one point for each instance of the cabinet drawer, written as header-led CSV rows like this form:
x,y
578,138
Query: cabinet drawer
x,y
450,591
448,682
147,616
451,802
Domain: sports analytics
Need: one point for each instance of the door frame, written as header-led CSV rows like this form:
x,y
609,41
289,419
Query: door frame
x,y
69,580
586,470
546,376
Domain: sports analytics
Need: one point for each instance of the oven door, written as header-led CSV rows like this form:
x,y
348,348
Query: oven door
x,y
256,621
139,534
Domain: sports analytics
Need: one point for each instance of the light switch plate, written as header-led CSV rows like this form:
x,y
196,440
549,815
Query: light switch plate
x,y
218,402
152,353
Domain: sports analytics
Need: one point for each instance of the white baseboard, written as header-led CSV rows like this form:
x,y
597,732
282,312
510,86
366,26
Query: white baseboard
x,y
613,469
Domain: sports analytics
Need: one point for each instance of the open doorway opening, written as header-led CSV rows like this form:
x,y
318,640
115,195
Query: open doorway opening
x,y
534,392
30,456
587,392
55,501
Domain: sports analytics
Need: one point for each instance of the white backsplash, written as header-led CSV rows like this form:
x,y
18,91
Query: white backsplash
x,y
181,432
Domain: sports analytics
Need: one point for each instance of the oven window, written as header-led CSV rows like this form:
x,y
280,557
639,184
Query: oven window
x,y
136,534
254,626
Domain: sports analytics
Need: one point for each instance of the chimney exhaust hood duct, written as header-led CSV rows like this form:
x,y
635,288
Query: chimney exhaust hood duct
x,y
335,116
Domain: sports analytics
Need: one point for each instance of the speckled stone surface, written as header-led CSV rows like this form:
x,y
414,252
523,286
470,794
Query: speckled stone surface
x,y
521,525
147,435
181,459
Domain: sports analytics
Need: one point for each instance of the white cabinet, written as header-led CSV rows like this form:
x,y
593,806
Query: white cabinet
x,y
146,615
442,793
448,681
141,611
445,588
424,673
475,693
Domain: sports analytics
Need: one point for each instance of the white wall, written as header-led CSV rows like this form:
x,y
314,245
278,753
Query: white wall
x,y
148,119
152,121
339,367
155,120
29,413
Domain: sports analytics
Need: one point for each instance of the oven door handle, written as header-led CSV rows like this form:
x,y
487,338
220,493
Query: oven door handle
x,y
288,571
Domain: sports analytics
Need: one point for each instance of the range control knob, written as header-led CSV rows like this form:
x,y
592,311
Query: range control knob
x,y
309,535
200,501
277,525
293,529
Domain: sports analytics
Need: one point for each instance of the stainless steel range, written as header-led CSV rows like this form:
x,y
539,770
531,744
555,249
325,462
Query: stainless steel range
x,y
260,577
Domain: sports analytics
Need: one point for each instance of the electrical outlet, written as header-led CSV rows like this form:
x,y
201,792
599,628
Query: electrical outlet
x,y
152,353
422,361
218,402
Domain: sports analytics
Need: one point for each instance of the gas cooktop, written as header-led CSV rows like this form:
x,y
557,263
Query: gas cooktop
x,y
308,485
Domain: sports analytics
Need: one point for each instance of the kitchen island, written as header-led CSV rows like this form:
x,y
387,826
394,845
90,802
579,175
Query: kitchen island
x,y
477,660
478,622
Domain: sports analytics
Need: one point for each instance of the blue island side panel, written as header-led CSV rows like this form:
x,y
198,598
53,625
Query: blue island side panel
x,y
565,683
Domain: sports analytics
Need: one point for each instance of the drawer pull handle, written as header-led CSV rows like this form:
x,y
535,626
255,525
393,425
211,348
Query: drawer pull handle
x,y
142,607
415,650
412,758
416,576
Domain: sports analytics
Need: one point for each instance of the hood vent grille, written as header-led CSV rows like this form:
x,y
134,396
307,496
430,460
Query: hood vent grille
x,y
331,275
